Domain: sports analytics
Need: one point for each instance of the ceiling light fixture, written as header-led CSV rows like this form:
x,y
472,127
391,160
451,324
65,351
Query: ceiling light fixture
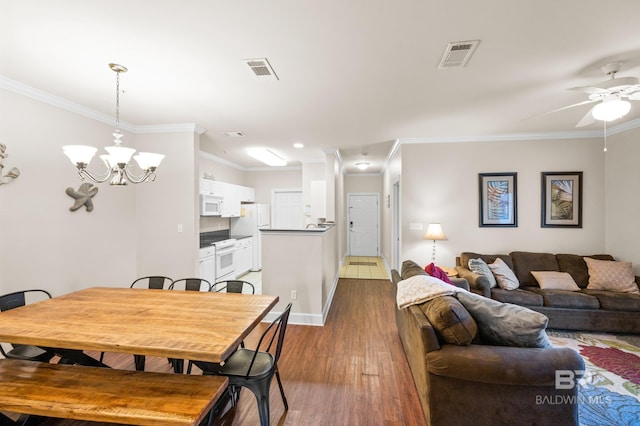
x,y
118,161
267,157
298,145
362,165
611,109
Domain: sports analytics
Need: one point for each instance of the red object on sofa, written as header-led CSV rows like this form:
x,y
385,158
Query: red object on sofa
x,y
437,272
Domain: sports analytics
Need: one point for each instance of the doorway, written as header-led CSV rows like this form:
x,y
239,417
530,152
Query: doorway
x,y
363,219
287,209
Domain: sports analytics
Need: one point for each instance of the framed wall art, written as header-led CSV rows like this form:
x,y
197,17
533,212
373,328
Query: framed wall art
x,y
561,199
498,199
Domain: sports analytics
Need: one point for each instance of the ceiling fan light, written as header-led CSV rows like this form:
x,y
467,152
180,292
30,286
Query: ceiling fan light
x,y
609,110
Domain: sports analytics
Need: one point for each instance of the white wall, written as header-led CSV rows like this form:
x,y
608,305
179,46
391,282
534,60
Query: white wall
x,y
42,243
622,201
132,230
265,181
440,184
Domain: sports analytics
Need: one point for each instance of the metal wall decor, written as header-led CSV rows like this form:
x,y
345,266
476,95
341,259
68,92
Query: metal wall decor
x,y
13,172
83,196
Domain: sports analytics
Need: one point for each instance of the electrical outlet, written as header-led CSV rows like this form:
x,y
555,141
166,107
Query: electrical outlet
x,y
293,295
415,226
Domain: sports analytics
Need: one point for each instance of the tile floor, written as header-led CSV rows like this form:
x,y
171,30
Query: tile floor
x,y
363,267
254,278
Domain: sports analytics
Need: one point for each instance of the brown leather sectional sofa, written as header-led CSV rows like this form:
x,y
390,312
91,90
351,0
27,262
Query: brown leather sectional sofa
x,y
586,310
482,384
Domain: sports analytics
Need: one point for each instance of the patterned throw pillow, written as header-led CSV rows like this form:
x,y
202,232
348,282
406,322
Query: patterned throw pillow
x,y
552,280
480,267
507,280
610,275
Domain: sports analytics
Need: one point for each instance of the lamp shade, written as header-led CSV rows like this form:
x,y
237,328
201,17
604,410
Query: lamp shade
x,y
148,160
435,232
119,154
79,154
610,109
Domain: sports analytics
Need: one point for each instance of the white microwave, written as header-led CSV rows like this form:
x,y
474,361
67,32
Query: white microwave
x,y
210,205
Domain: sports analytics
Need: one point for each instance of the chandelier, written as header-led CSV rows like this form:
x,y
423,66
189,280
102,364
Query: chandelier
x,y
118,159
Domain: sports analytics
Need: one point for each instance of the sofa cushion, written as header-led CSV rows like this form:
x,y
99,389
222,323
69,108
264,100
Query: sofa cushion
x,y
411,268
552,280
504,275
519,296
451,320
488,258
569,299
481,268
576,266
614,301
525,262
611,275
504,324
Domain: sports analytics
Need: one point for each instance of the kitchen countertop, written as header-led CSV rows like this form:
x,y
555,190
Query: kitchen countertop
x,y
317,230
208,238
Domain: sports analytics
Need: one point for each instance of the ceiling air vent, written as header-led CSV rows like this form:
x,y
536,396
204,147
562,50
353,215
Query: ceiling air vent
x,y
458,54
262,69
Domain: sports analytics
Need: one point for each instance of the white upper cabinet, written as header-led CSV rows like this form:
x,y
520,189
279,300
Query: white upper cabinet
x,y
231,194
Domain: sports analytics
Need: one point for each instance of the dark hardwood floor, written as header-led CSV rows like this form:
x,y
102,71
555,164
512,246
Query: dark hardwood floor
x,y
352,371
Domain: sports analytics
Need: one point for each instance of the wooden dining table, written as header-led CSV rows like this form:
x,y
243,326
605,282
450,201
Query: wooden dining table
x,y
176,324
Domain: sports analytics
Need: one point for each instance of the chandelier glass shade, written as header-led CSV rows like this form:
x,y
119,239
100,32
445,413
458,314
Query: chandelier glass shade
x,y
118,158
611,109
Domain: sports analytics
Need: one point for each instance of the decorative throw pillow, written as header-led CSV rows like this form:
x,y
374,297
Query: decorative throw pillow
x,y
436,271
453,323
504,324
611,275
504,275
480,267
552,280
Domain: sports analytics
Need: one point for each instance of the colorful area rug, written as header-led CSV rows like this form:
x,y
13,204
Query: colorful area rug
x,y
609,392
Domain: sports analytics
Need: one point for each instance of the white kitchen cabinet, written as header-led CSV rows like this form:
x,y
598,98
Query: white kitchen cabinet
x,y
247,194
208,264
243,256
232,195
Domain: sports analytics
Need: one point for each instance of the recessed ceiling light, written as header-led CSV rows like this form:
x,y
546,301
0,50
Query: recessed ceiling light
x,y
298,145
234,134
267,157
362,165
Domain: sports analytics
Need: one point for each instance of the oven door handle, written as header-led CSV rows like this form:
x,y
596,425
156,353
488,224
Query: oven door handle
x,y
226,250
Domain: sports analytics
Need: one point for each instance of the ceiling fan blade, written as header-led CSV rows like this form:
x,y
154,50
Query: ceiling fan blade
x,y
570,106
635,96
589,89
587,119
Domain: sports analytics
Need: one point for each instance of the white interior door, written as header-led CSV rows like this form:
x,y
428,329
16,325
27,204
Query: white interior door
x,y
287,209
363,224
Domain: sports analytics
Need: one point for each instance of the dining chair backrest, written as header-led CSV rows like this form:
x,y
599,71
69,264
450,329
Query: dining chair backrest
x,y
20,298
153,282
191,284
15,300
233,286
277,328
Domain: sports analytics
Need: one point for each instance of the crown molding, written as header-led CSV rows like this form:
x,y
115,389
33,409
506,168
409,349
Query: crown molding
x,y
56,101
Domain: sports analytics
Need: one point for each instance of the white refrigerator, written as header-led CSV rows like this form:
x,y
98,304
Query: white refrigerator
x,y
256,216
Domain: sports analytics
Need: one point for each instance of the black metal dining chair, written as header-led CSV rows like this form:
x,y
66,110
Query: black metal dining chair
x,y
230,286
190,284
157,282
233,286
25,352
154,282
254,369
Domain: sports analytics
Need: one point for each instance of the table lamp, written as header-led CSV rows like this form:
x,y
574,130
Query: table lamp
x,y
434,232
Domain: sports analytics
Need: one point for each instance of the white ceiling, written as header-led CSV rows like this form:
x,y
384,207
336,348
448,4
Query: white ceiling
x,y
354,74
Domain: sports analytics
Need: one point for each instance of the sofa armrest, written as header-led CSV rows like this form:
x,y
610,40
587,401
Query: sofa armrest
x,y
503,364
477,283
460,282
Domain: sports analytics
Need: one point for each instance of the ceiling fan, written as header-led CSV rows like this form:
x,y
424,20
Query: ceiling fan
x,y
611,96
